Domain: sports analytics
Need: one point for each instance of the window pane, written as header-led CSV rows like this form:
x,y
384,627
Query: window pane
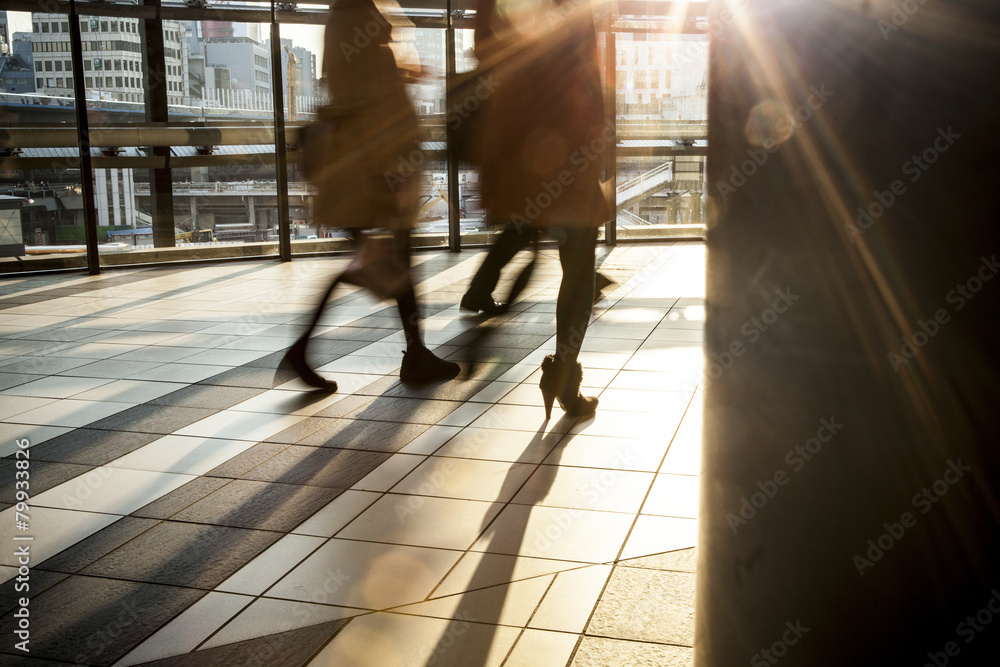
x,y
662,131
41,207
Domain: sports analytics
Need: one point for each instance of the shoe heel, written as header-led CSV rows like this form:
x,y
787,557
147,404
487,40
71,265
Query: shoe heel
x,y
548,397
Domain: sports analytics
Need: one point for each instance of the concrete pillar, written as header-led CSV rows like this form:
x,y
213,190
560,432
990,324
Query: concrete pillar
x,y
101,196
129,192
850,513
115,199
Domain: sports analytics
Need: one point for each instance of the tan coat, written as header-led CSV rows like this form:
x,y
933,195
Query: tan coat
x,y
364,154
544,132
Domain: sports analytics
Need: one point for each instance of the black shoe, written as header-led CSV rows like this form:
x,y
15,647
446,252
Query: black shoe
x,y
295,359
420,366
477,305
562,382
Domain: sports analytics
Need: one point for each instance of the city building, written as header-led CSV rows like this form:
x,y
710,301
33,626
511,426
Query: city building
x,y
16,69
113,63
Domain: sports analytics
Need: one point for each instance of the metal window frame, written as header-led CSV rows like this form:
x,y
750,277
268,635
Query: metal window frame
x,y
444,16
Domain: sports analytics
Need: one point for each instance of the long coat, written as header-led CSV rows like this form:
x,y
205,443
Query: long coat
x,y
363,154
545,133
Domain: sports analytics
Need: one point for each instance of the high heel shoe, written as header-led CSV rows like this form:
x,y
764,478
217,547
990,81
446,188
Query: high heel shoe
x,y
562,382
295,358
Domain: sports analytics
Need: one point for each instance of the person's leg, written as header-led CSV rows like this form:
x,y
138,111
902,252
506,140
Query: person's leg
x,y
420,365
574,304
562,373
507,243
295,356
406,302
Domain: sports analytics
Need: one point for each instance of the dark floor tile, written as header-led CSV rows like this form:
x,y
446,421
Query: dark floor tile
x,y
345,407
8,380
405,410
22,299
244,376
299,430
98,545
208,396
457,390
318,466
178,499
500,338
22,661
90,447
246,461
485,371
183,554
320,348
43,476
353,333
271,361
294,648
38,581
148,418
260,505
379,386
95,621
387,323
362,434
503,355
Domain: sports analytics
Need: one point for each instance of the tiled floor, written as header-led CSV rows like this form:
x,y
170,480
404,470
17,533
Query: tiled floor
x,y
190,504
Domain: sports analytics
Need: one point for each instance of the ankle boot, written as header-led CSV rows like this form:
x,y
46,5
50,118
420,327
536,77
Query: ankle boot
x,y
562,382
295,358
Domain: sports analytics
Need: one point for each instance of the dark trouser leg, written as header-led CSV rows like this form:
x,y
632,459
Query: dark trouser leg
x,y
576,291
508,243
406,302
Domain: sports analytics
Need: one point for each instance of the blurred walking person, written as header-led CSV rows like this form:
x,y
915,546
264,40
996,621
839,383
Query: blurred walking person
x,y
541,145
364,157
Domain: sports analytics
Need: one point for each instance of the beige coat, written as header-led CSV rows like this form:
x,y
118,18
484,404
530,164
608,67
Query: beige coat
x,y
544,134
363,155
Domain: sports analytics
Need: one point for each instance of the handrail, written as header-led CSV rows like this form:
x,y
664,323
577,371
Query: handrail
x,y
123,136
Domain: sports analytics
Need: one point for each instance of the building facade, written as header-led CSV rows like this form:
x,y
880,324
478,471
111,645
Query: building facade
x,y
113,66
